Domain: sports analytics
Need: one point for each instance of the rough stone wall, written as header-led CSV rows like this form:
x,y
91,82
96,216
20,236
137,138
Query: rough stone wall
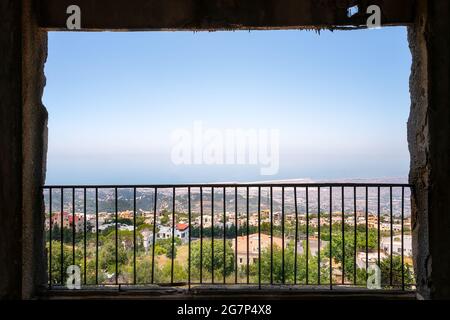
x,y
418,147
429,145
34,150
438,38
22,150
10,149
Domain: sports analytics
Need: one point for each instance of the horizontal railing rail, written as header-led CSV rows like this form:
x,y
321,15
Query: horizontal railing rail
x,y
330,235
227,185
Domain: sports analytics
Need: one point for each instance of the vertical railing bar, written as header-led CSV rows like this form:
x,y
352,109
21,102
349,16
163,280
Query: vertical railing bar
x,y
212,235
379,226
307,235
155,201
224,233
50,237
355,227
248,237
73,226
62,236
259,237
391,235
282,236
134,235
85,236
173,236
189,243
236,235
96,236
271,235
201,235
402,238
343,232
367,232
296,236
331,238
117,235
318,238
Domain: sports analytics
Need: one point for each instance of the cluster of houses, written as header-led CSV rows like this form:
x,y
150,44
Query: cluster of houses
x,y
267,242
68,219
277,219
251,253
181,231
90,220
206,220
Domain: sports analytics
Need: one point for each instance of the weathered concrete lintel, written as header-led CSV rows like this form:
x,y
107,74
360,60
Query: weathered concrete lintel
x,y
220,14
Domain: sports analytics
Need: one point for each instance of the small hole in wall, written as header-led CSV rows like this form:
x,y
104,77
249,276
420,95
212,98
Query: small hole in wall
x,y
352,11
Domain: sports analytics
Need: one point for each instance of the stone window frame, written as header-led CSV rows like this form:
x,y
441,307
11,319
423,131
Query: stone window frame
x,y
429,97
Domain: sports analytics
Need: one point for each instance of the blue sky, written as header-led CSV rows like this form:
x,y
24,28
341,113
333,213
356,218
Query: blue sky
x,y
340,101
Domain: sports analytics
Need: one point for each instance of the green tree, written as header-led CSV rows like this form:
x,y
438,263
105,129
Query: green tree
x,y
164,246
350,250
289,267
348,259
208,262
126,221
107,257
385,267
163,275
67,234
66,260
143,269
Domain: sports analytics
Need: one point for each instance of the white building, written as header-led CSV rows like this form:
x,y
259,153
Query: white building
x,y
181,232
125,227
120,226
164,232
372,257
313,245
397,245
147,239
207,219
229,224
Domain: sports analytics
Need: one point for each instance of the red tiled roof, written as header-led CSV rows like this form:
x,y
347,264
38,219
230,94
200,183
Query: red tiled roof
x,y
182,226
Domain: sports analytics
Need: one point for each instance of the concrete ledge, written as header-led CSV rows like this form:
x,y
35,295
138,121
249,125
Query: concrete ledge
x,y
226,293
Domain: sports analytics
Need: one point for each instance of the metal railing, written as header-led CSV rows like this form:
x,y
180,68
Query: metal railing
x,y
305,235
